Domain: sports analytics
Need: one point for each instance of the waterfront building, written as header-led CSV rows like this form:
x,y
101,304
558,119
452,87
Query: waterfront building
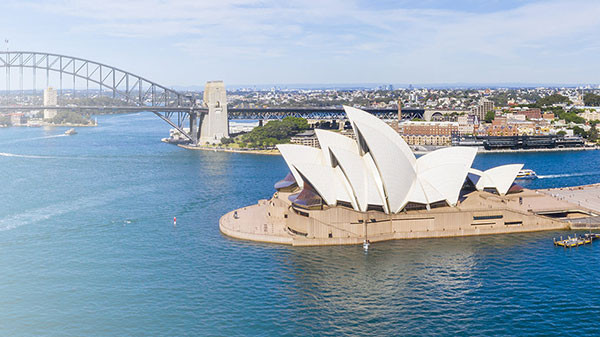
x,y
466,124
17,119
502,130
374,188
306,138
428,133
50,99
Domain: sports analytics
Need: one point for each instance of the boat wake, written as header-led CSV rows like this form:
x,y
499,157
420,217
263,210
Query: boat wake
x,y
5,154
43,213
566,175
34,138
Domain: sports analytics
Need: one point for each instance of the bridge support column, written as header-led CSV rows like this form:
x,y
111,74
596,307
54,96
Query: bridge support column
x,y
261,122
194,126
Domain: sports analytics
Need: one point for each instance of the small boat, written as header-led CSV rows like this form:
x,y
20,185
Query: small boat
x,y
70,132
526,174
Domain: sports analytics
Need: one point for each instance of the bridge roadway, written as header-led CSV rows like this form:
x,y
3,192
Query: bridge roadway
x,y
326,113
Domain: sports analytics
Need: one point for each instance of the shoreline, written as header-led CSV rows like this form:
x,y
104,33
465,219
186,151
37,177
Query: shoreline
x,y
563,149
275,152
50,125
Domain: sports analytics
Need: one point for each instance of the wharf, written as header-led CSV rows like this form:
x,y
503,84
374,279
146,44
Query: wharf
x,y
273,152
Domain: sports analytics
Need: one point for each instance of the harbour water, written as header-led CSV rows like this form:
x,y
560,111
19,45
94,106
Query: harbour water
x,y
88,247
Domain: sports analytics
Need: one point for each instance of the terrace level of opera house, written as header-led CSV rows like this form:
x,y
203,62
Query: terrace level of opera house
x,y
375,188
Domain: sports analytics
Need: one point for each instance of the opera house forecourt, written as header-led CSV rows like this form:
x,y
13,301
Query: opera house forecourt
x,y
373,188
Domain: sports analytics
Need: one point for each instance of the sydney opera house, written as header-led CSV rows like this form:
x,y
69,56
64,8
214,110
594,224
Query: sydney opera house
x,y
373,187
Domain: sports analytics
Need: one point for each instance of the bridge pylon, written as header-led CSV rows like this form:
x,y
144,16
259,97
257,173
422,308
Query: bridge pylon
x,y
214,125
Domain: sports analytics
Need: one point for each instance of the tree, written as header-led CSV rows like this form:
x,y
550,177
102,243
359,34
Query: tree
x,y
591,99
275,132
568,116
592,134
579,131
490,116
561,133
69,117
552,99
226,140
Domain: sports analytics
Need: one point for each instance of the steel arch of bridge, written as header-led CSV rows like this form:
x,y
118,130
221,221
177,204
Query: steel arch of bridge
x,y
172,106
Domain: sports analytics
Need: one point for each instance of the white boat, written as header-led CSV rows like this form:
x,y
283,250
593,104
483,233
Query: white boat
x,y
526,174
70,132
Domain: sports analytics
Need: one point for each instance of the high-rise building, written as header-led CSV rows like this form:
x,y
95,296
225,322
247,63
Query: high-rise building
x,y
50,99
482,108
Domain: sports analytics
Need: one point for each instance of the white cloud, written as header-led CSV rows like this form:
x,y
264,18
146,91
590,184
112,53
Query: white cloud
x,y
401,40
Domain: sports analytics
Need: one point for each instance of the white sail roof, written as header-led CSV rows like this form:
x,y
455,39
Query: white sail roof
x,y
295,154
499,177
327,181
330,138
446,170
393,158
360,177
380,169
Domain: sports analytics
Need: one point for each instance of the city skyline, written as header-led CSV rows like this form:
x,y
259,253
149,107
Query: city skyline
x,y
185,43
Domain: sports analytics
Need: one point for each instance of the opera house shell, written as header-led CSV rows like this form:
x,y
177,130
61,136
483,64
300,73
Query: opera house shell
x,y
373,187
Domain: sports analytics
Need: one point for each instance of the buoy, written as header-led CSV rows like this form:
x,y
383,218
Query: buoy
x,y
174,221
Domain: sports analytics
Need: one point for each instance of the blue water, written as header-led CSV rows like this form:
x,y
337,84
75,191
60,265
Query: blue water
x,y
88,247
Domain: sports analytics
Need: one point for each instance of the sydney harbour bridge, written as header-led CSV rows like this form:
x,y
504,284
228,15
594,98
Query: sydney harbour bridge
x,y
27,71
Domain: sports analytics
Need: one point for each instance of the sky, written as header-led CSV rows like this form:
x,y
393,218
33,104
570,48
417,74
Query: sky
x,y
247,42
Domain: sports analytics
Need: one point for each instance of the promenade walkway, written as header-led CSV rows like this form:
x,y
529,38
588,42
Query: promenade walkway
x,y
587,196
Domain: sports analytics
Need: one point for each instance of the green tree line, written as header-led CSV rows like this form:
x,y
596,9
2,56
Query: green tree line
x,y
272,133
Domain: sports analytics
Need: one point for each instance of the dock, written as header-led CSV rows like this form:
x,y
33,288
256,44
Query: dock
x,y
571,242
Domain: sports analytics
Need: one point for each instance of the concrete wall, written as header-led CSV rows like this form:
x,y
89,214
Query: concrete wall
x,y
345,225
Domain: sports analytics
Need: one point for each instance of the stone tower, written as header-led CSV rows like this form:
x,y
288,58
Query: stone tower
x,y
214,124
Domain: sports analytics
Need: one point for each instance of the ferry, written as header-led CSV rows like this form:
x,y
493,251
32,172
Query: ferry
x,y
70,132
526,174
